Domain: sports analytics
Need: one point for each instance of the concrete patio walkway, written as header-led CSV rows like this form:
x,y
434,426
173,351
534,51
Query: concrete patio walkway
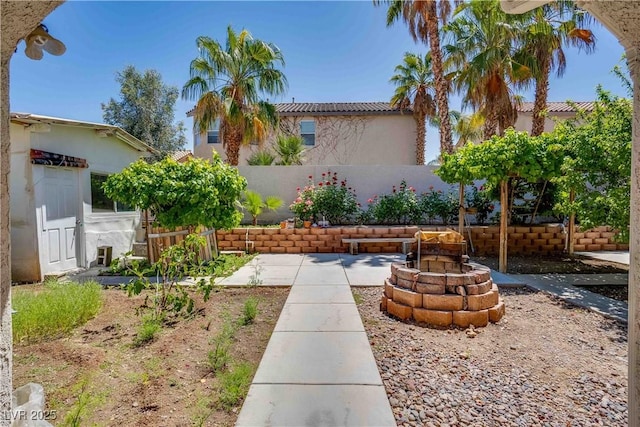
x,y
318,368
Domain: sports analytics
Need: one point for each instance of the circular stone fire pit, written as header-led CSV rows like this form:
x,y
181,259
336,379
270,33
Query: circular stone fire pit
x,y
445,291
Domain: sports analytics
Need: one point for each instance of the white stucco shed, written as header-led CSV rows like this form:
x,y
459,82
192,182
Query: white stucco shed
x,y
59,214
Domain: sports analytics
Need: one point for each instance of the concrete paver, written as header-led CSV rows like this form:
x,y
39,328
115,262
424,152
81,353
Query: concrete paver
x,y
318,368
552,284
316,405
327,294
319,318
620,257
318,358
313,275
266,275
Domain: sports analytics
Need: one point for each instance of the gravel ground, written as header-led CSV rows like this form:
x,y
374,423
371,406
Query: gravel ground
x,y
544,364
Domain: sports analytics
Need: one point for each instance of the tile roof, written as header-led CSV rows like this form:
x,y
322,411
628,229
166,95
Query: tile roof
x,y
335,108
557,107
180,155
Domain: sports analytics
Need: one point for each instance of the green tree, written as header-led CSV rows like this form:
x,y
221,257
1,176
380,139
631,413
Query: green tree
x,y
290,148
414,88
481,54
197,192
424,18
544,34
227,84
598,167
466,127
255,205
146,110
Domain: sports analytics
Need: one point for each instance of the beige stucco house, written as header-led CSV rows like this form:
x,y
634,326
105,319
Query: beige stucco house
x,y
59,212
352,133
555,111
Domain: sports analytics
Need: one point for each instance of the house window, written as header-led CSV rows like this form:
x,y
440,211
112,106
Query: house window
x,y
213,135
308,131
99,201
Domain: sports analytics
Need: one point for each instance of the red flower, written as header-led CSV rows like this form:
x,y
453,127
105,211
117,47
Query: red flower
x,y
310,176
431,188
319,184
370,201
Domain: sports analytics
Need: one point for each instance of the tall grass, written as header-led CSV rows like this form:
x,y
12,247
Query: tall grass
x,y
53,309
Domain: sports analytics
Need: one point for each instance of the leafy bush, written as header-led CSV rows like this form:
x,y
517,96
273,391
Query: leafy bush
x,y
197,192
331,199
174,264
481,200
399,207
53,309
302,207
334,200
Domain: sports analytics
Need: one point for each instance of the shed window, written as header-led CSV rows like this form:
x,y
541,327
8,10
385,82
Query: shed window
x,y
99,201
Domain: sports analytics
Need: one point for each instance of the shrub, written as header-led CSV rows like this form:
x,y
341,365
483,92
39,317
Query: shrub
x,y
436,204
481,200
399,207
334,200
302,207
53,310
255,205
331,199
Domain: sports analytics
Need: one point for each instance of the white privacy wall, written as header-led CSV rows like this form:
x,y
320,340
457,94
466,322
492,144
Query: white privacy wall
x,y
367,181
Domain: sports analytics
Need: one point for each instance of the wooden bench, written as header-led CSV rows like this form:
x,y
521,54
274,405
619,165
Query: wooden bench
x,y
406,242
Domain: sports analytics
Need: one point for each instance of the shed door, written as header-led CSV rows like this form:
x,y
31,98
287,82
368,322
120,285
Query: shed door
x,y
59,219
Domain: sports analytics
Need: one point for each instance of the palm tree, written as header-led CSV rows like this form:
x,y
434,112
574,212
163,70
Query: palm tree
x,y
414,87
466,127
546,31
290,148
481,53
227,84
424,18
255,205
261,158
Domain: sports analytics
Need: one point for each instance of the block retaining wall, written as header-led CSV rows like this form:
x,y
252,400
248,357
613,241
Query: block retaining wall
x,y
523,240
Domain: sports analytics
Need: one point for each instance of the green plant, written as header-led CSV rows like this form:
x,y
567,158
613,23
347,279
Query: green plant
x,y
480,200
147,331
254,279
234,385
169,296
86,401
227,80
261,158
303,206
334,200
219,357
249,311
399,207
290,148
197,192
255,205
53,309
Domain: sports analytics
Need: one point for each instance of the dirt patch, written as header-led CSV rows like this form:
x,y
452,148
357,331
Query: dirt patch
x,y
166,382
562,264
544,363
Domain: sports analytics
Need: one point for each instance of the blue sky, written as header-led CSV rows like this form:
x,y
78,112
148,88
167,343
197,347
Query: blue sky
x,y
334,51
